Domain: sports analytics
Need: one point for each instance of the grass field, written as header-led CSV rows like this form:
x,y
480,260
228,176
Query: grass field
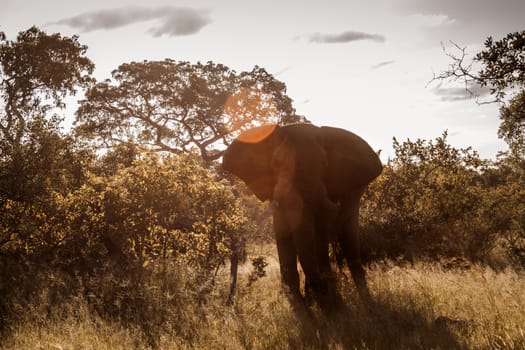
x,y
420,306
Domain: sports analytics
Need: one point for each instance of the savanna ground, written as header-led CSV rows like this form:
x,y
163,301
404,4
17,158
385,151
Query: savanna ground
x,y
416,306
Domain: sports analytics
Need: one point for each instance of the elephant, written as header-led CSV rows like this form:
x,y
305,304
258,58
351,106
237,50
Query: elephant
x,y
314,178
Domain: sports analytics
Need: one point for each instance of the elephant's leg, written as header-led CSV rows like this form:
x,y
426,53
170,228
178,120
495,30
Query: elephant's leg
x,y
287,254
323,262
325,233
306,243
323,256
349,239
288,265
328,296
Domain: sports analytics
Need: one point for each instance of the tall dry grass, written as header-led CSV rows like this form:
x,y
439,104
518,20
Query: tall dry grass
x,y
421,306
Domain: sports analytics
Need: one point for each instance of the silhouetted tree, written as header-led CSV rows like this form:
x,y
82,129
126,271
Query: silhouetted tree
x,y
174,106
501,68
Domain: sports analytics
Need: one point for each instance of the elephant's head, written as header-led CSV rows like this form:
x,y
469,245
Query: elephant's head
x,y
250,157
283,164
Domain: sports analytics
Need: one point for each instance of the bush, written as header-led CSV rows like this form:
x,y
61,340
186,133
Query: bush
x,y
121,230
433,200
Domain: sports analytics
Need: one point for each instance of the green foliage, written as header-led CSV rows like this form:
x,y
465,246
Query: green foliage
x,y
37,71
174,106
502,69
505,204
123,220
503,63
37,66
119,237
171,207
38,165
259,263
501,66
433,200
512,127
31,207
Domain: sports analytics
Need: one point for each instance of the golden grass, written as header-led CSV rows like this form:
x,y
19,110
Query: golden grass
x,y
421,306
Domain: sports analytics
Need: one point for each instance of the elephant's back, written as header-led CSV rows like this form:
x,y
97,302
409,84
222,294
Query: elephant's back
x,y
351,160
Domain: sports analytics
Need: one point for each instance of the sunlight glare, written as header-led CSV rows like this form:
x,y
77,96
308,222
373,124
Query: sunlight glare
x,y
257,134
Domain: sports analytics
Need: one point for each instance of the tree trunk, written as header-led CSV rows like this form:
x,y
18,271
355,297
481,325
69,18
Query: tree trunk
x,y
234,265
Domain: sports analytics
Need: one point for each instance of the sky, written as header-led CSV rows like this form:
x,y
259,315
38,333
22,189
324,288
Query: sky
x,y
365,66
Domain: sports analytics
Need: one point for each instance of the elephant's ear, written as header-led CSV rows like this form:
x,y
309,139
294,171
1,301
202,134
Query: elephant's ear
x,y
249,157
351,160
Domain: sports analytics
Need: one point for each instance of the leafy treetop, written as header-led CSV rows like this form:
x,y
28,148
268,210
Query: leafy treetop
x,y
39,68
502,69
502,65
175,106
37,71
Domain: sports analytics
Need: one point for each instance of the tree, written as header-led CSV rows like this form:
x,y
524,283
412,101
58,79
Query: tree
x,y
37,71
159,209
502,66
38,164
501,69
512,127
174,106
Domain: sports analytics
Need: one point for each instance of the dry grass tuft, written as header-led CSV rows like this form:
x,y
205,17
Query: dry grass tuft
x,y
420,306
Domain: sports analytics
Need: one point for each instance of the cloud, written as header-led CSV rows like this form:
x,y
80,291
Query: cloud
x,y
181,21
466,21
171,21
382,64
454,94
344,37
467,10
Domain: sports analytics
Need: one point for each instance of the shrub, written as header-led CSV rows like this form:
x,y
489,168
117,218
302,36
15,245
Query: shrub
x,y
430,201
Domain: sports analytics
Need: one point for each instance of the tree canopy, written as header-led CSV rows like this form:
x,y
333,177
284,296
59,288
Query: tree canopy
x,y
500,67
174,106
37,71
503,64
37,162
512,127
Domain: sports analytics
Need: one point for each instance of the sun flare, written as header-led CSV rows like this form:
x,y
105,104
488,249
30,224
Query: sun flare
x,y
257,134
